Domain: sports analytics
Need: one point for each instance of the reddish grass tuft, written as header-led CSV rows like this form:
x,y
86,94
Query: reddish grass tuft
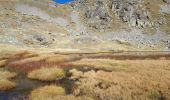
x,y
29,64
21,55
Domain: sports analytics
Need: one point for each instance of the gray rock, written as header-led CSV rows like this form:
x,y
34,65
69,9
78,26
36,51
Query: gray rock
x,y
38,40
128,12
166,1
165,9
96,16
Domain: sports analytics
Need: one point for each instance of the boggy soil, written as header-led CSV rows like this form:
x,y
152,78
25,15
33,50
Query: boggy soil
x,y
99,76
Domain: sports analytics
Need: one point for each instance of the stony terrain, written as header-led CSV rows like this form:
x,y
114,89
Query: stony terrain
x,y
101,25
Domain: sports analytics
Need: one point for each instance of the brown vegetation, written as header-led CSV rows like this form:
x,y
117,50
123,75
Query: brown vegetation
x,y
142,76
133,56
141,80
25,62
5,84
7,75
54,92
3,63
32,63
47,74
47,93
105,64
21,55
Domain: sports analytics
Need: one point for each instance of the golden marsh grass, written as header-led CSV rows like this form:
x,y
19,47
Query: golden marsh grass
x,y
46,74
5,85
47,93
3,63
7,75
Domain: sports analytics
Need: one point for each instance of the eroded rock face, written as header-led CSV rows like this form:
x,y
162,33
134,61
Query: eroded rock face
x,y
130,12
98,16
136,13
95,13
166,1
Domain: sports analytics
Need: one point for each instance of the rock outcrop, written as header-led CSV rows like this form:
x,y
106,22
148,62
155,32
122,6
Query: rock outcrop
x,y
136,13
129,11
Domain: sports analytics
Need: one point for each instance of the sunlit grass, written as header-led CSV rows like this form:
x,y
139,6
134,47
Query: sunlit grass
x,y
47,93
7,75
5,84
106,64
71,97
47,74
22,55
3,63
142,79
32,63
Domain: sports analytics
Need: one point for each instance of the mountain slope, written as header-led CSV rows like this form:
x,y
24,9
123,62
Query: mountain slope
x,y
93,25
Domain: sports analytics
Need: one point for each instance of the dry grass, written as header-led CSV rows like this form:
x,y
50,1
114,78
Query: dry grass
x,y
142,80
47,74
106,64
130,77
132,55
54,92
32,63
7,75
25,61
7,49
5,85
47,93
21,55
3,63
71,97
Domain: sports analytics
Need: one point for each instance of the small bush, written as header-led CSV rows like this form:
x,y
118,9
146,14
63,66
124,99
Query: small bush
x,y
155,95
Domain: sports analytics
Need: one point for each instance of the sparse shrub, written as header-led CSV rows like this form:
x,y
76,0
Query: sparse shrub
x,y
155,95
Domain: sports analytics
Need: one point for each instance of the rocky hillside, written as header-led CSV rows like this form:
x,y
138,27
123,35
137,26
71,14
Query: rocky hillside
x,y
93,25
